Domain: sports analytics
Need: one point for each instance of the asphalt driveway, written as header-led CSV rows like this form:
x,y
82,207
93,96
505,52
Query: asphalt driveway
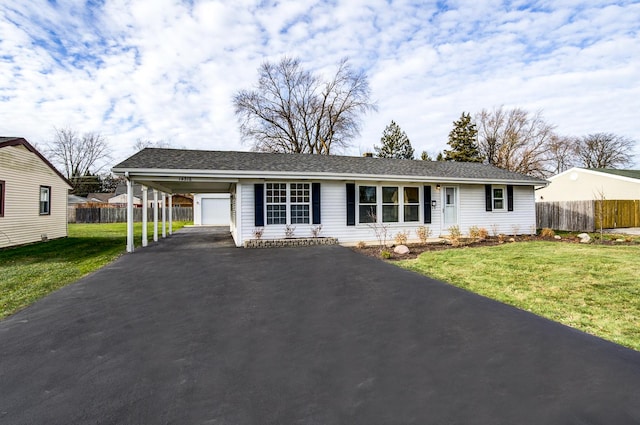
x,y
194,331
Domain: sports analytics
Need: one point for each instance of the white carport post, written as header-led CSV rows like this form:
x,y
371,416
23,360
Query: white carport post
x,y
129,215
170,214
155,215
164,215
145,200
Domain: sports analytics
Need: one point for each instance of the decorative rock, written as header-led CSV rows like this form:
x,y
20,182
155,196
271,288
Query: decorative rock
x,y
512,240
620,240
558,237
401,249
584,238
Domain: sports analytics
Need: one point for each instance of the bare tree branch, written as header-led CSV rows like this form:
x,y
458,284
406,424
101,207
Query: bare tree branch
x,y
604,150
514,140
77,156
291,110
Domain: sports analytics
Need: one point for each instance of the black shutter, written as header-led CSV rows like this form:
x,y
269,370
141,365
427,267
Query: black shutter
x,y
487,197
258,193
351,204
315,201
427,204
510,198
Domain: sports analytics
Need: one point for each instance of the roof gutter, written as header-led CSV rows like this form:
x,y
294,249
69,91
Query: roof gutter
x,y
261,175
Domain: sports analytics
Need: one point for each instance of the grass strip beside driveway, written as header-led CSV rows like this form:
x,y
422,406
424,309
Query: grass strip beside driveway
x,y
589,287
30,272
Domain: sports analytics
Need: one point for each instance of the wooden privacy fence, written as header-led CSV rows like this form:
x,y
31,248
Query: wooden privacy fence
x,y
585,216
119,215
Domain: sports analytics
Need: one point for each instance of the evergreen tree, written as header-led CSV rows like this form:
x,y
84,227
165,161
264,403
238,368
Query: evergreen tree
x,y
425,156
394,143
440,157
463,140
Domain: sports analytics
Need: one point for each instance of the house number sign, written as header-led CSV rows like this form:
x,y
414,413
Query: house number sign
x,y
184,179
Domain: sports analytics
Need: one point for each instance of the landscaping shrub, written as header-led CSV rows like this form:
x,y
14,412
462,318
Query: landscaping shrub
x,y
547,233
401,237
454,235
423,233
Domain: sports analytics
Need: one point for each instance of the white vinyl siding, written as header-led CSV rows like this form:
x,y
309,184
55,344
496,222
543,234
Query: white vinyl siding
x,y
473,212
24,173
334,214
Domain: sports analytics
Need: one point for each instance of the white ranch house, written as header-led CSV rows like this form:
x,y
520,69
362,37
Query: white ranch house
x,y
343,194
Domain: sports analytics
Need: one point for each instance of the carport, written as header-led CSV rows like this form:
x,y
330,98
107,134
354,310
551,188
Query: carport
x,y
163,184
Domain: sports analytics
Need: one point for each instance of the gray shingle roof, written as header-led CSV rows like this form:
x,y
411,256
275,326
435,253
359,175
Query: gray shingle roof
x,y
181,159
633,174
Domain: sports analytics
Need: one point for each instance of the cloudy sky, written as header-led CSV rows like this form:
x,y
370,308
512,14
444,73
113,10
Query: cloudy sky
x,y
167,69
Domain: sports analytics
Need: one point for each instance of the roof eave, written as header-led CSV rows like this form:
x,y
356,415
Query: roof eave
x,y
255,174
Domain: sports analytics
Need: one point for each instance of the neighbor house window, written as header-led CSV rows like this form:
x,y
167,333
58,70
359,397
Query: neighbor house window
x,y
276,203
498,197
1,198
411,204
389,204
367,201
45,200
300,200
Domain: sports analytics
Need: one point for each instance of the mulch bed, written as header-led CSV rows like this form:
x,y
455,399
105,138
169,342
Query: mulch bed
x,y
417,249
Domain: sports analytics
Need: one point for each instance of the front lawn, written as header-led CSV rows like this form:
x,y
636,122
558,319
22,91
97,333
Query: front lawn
x,y
593,288
30,272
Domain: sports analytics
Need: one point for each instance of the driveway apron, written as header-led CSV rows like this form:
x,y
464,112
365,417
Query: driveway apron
x,y
192,330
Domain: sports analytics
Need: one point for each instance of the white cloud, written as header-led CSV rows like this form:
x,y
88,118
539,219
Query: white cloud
x,y
166,69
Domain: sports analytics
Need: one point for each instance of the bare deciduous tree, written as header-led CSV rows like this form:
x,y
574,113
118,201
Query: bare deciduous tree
x,y
78,156
147,143
604,150
292,110
562,154
514,140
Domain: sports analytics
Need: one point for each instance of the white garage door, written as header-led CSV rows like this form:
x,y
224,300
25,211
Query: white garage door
x,y
215,212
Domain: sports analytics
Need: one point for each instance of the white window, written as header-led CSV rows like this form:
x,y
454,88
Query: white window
x,y
276,203
300,200
389,204
367,201
411,204
498,197
45,200
398,204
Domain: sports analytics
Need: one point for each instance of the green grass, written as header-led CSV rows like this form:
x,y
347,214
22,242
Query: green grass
x,y
30,272
594,288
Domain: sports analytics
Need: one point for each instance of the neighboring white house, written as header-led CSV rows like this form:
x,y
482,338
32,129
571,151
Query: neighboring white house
x,y
582,184
344,194
33,195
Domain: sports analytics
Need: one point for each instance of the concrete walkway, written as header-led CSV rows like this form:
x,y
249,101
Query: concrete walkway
x,y
192,331
634,231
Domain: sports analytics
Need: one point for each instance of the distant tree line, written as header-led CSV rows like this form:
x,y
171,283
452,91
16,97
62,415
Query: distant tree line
x,y
516,140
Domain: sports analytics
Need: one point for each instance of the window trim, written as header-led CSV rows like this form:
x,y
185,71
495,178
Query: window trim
x,y
288,202
504,197
395,203
370,204
400,203
267,204
410,204
2,190
48,202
